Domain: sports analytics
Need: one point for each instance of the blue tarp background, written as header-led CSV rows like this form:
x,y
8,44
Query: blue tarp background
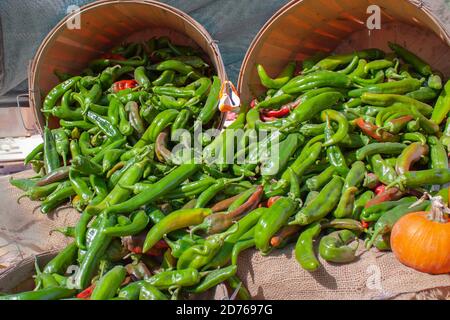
x,y
25,23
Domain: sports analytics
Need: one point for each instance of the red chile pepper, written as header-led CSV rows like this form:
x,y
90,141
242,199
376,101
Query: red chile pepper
x,y
124,84
276,113
365,224
388,195
253,103
380,189
156,251
272,200
86,293
374,131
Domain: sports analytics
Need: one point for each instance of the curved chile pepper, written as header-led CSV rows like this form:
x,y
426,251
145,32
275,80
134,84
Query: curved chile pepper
x,y
334,153
342,126
218,222
409,156
334,247
374,131
304,249
286,74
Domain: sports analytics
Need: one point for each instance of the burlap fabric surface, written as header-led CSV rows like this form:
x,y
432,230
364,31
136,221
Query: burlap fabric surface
x,y
24,232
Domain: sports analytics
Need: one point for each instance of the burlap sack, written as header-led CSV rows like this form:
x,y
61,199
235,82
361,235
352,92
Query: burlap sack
x,y
24,232
374,275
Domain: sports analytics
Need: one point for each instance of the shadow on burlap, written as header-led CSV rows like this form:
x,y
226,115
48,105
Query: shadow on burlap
x,y
24,232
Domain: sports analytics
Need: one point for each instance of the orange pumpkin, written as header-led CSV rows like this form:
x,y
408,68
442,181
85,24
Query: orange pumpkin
x,y
421,240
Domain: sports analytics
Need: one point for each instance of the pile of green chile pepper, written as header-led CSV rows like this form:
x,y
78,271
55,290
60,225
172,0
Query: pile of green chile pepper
x,y
362,137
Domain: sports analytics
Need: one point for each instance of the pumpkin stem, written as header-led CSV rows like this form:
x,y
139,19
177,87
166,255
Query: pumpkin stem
x,y
438,209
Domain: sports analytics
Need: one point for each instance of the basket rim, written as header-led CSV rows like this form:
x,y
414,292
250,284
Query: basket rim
x,y
280,12
220,67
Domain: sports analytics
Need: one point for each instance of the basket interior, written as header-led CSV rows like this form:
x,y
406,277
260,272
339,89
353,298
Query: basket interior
x,y
103,25
303,28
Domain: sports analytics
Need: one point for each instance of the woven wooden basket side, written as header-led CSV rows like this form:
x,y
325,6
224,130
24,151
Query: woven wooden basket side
x,y
302,28
103,25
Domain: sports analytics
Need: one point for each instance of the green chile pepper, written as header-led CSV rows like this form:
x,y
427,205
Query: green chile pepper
x,y
304,250
438,154
335,247
386,222
396,87
199,255
334,153
360,203
325,202
214,278
442,106
393,148
421,66
61,143
108,285
150,292
271,221
139,222
51,157
174,221
175,278
57,92
95,251
54,293
62,260
317,182
286,74
384,172
342,130
409,156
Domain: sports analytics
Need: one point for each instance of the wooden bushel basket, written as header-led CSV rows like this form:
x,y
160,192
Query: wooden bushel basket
x,y
297,31
19,278
103,25
302,28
